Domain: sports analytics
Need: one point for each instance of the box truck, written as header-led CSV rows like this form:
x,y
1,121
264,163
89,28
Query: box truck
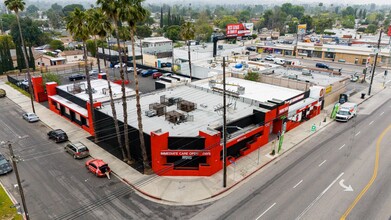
x,y
346,111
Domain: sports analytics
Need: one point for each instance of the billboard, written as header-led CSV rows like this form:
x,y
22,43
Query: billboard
x,y
301,29
389,31
240,30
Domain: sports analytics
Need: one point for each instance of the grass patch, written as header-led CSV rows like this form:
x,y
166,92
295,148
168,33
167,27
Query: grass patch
x,y
6,212
19,89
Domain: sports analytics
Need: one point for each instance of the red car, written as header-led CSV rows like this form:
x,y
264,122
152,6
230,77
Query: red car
x,y
98,166
157,75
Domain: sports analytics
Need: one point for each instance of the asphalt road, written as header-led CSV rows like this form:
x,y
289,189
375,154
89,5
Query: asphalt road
x,y
58,187
310,181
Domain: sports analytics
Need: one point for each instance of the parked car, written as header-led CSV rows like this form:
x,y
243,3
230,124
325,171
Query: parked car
x,y
130,69
2,93
30,117
279,61
322,65
5,165
167,64
148,72
251,48
157,75
93,72
77,76
257,59
139,71
98,167
118,65
270,57
167,74
77,150
58,135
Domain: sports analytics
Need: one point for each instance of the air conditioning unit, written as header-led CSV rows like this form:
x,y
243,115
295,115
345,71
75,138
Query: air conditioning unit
x,y
151,113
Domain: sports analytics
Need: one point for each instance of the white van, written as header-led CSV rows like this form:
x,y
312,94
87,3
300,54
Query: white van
x,y
279,61
346,111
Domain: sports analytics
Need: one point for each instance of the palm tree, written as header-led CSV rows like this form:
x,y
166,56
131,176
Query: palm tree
x,y
17,6
123,33
136,13
100,25
76,24
188,33
114,10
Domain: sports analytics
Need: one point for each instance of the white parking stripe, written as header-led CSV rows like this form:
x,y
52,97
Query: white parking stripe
x,y
357,133
341,147
370,122
381,113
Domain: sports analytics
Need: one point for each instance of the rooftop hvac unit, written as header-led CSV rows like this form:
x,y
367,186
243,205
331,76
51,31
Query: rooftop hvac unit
x,y
212,83
175,117
186,106
158,107
241,90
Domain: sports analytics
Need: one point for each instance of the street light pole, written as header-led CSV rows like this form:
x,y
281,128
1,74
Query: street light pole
x,y
374,65
19,183
224,130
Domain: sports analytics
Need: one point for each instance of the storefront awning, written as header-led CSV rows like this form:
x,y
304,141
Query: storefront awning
x,y
300,106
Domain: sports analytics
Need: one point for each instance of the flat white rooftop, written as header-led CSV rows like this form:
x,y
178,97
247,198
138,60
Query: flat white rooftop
x,y
256,91
204,116
100,90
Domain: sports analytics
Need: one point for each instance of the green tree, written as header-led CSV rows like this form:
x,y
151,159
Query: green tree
x,y
188,33
56,45
51,77
70,8
32,11
225,20
371,29
307,19
76,24
172,32
6,62
55,18
143,31
135,12
252,76
17,6
6,21
114,9
203,30
348,21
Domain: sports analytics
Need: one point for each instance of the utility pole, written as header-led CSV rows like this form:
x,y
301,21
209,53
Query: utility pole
x,y
19,183
224,130
374,65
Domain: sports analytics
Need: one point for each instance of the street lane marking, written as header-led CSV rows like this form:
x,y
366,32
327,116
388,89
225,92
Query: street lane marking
x,y
341,147
317,198
298,184
370,122
357,133
322,163
381,113
374,175
266,211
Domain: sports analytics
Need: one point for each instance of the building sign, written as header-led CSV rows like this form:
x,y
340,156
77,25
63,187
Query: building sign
x,y
295,99
318,48
239,30
301,29
328,89
185,153
283,110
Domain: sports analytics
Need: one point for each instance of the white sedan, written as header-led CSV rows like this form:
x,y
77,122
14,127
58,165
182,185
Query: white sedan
x,y
30,117
118,65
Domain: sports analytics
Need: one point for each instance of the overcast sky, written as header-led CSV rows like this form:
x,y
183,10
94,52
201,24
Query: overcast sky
x,y
327,2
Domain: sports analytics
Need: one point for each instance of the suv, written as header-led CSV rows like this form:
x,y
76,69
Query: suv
x,y
148,72
322,65
77,150
58,135
74,77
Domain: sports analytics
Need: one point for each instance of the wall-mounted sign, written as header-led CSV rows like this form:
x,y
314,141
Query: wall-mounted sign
x,y
189,153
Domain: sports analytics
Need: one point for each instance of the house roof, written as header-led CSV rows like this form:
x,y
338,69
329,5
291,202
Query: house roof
x,y
71,52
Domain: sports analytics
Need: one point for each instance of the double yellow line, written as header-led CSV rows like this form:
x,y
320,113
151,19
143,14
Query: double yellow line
x,y
374,175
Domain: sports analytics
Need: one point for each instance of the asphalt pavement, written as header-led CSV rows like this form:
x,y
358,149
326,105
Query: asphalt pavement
x,y
314,180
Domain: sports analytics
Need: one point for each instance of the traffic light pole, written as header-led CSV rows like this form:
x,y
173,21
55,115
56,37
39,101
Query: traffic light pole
x,y
19,183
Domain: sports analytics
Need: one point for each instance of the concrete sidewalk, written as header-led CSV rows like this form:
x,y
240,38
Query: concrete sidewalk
x,y
188,190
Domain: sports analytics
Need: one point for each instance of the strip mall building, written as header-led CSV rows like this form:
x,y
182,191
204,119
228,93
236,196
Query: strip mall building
x,y
182,125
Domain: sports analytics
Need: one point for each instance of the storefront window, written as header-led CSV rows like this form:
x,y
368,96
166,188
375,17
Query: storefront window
x,y
329,55
317,54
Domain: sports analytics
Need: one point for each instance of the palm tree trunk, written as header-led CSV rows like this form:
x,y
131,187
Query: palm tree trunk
x,y
27,64
188,53
124,104
147,168
127,74
96,54
114,112
90,100
104,57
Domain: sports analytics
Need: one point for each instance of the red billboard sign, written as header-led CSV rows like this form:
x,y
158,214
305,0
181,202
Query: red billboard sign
x,y
190,153
239,30
389,31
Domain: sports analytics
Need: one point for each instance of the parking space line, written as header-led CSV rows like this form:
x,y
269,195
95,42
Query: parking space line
x,y
298,184
370,122
322,163
381,113
341,147
357,133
